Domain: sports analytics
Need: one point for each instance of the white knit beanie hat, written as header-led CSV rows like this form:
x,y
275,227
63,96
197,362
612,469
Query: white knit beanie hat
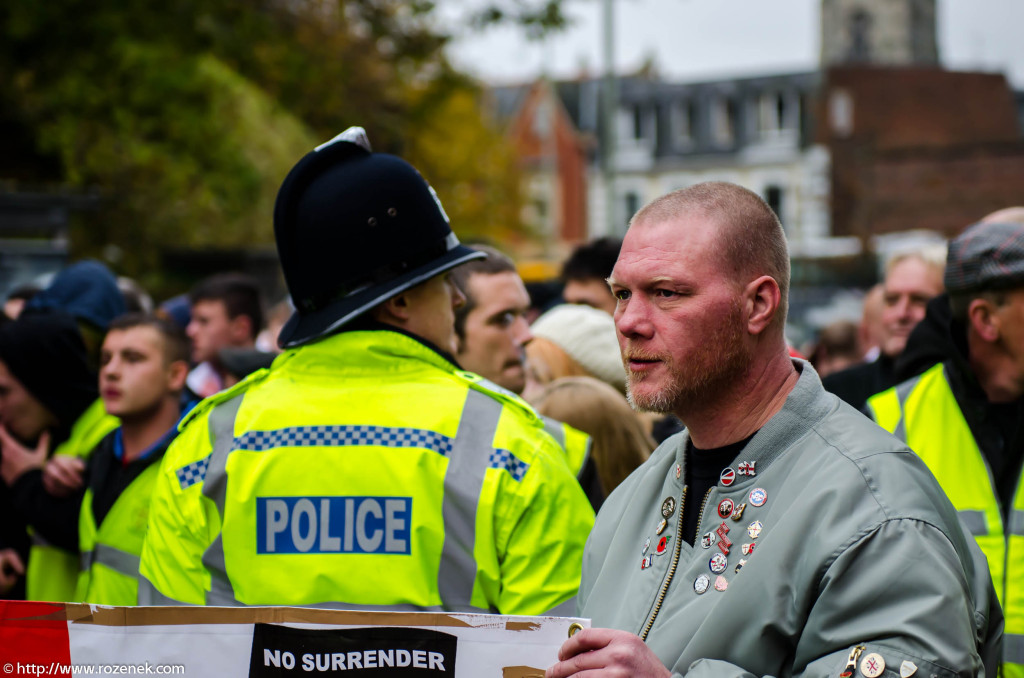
x,y
588,336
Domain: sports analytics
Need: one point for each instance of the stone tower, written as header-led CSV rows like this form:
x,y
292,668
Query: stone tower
x,y
879,32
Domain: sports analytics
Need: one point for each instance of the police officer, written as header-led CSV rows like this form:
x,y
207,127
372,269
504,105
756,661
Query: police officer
x,y
364,469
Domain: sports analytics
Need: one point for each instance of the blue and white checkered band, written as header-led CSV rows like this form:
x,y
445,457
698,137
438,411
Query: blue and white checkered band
x,y
193,473
503,459
338,436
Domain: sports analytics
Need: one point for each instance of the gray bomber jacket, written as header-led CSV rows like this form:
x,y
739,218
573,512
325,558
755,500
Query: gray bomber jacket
x,y
859,557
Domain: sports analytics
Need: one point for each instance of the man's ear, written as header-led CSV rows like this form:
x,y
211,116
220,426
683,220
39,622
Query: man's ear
x,y
761,299
241,329
394,311
983,319
177,373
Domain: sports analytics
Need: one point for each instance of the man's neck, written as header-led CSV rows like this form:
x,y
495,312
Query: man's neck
x,y
743,408
138,434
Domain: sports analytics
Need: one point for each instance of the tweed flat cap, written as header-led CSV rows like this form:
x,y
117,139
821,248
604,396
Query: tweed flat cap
x,y
986,256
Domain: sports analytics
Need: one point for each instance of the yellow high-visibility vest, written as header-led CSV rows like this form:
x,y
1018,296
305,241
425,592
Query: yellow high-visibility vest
x,y
52,572
365,471
924,413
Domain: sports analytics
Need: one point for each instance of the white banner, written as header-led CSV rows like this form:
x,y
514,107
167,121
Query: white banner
x,y
256,642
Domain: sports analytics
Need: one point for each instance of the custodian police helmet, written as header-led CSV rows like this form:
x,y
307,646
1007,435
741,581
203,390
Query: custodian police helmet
x,y
353,229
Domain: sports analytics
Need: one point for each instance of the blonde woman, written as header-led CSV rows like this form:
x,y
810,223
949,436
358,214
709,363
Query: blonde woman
x,y
620,442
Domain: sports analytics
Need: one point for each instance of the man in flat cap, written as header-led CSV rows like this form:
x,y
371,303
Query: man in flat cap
x,y
365,469
962,416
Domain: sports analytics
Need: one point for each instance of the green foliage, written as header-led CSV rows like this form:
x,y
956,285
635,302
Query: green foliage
x,y
187,117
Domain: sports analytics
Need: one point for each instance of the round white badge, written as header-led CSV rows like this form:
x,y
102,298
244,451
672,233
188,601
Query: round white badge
x,y
701,583
872,666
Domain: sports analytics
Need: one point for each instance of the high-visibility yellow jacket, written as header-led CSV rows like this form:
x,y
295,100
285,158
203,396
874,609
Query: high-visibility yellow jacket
x,y
924,412
52,572
575,443
109,554
365,470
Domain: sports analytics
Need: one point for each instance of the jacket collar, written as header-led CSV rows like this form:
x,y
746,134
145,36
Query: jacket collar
x,y
805,407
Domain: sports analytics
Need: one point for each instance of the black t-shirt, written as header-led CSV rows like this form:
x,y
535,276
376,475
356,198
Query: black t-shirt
x,y
703,470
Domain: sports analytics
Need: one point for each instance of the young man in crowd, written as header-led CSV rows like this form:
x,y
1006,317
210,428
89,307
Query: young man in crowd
x,y
143,365
586,270
491,334
227,312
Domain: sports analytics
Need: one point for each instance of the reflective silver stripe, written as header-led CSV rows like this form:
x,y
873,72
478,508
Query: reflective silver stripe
x,y
1017,522
215,487
1013,648
902,393
114,558
463,483
148,595
974,522
555,430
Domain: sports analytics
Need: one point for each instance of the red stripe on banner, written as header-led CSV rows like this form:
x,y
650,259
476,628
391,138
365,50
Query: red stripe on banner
x,y
33,633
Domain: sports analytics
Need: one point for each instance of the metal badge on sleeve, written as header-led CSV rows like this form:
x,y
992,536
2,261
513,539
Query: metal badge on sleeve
x,y
679,471
907,669
738,512
758,496
747,549
661,526
723,541
872,666
721,583
662,546
754,529
647,547
701,583
728,477
708,540
739,565
718,563
646,562
725,508
668,507
746,468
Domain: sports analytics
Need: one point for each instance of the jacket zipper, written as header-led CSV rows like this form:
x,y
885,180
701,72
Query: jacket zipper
x,y
675,559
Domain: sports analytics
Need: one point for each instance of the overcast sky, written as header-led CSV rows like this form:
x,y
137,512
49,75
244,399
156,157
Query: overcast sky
x,y
705,39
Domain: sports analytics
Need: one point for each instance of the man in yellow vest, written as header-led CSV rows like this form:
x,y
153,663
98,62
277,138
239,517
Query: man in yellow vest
x,y
963,415
491,335
143,365
365,469
48,400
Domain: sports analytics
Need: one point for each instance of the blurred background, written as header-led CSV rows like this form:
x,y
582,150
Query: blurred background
x,y
155,138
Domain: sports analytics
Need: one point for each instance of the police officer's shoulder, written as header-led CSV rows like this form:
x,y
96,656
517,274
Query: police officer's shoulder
x,y
207,404
478,383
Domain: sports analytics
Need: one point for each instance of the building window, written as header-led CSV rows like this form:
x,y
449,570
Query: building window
x,y
773,196
723,120
773,113
631,204
632,125
684,115
860,37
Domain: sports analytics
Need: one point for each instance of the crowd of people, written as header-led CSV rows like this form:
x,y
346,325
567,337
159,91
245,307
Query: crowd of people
x,y
408,431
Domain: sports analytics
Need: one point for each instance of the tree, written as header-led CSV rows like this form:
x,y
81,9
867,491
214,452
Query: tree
x,y
187,118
